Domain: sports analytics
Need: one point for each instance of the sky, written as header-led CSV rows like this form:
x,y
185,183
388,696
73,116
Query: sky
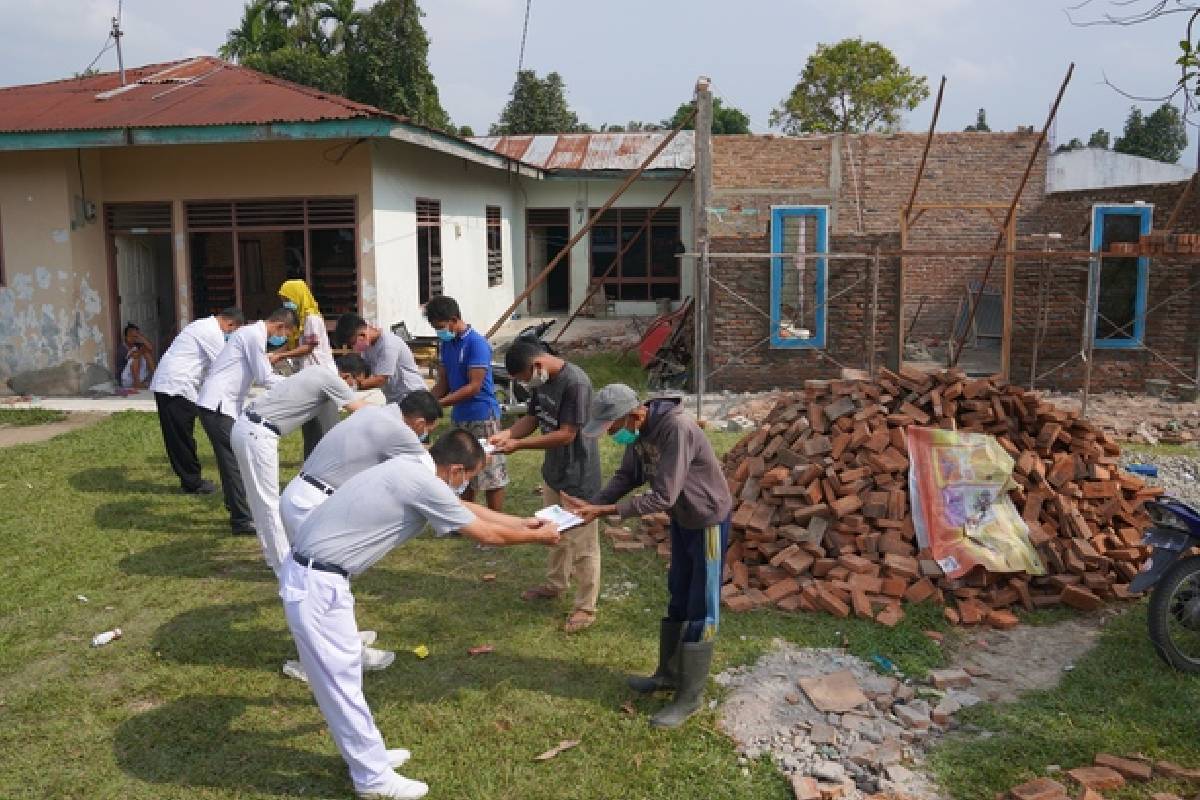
x,y
638,59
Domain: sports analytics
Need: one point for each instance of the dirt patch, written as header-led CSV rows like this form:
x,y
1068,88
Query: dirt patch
x,y
31,434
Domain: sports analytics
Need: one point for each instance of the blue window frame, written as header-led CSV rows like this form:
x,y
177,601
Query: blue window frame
x,y
1120,305
799,285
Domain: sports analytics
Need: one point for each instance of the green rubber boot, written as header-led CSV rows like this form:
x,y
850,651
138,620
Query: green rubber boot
x,y
666,676
694,660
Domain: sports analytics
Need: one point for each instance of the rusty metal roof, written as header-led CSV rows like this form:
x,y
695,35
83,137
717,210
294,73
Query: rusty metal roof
x,y
595,151
195,91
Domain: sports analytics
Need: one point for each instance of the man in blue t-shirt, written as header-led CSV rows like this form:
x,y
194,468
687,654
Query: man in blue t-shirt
x,y
465,385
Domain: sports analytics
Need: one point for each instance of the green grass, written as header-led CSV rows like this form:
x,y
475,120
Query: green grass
x,y
1151,450
609,367
23,417
1119,699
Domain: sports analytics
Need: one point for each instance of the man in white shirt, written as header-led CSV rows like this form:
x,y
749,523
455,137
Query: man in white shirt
x,y
393,368
242,362
176,385
374,512
255,441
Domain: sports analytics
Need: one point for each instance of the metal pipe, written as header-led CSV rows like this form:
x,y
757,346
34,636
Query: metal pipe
x,y
937,109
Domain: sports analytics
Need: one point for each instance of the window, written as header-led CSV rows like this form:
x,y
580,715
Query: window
x,y
495,247
1120,303
429,249
798,285
646,263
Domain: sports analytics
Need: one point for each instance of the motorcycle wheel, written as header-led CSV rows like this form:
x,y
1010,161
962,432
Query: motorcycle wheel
x,y
1175,615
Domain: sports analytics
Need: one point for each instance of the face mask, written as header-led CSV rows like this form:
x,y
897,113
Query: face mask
x,y
227,336
539,377
458,490
444,335
424,437
626,437
361,345
290,305
275,341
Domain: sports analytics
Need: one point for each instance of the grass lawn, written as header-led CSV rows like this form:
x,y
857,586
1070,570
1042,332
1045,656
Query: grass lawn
x,y
23,417
190,703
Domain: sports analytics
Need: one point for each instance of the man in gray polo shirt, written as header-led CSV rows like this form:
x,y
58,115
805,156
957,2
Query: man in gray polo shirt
x,y
373,512
255,441
393,368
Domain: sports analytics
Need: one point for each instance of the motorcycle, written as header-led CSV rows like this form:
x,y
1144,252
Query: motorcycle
x,y
510,394
1174,615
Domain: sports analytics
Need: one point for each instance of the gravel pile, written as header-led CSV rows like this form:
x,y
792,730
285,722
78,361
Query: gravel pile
x,y
1177,474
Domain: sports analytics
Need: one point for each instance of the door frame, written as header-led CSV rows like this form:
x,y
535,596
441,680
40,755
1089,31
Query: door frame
x,y
564,264
114,287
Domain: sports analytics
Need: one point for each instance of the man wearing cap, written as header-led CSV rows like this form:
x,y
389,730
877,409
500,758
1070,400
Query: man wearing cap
x,y
666,449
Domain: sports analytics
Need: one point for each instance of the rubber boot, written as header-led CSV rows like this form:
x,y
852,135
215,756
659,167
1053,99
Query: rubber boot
x,y
666,676
694,660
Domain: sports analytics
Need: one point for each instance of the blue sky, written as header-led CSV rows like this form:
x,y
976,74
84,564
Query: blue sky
x,y
627,59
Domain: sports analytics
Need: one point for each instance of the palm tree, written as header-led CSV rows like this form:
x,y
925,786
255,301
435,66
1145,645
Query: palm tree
x,y
262,30
345,21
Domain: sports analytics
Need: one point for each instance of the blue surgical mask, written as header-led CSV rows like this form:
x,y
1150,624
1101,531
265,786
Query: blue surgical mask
x,y
276,341
444,335
424,437
626,437
290,305
227,336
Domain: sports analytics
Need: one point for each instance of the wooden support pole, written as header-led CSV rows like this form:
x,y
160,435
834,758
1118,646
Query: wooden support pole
x,y
871,323
1183,198
937,109
624,187
1010,280
901,288
703,193
1012,213
599,283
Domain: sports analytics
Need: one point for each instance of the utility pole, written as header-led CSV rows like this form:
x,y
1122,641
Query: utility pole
x,y
700,205
117,34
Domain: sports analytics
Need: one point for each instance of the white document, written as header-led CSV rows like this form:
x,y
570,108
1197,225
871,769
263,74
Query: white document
x,y
488,448
559,517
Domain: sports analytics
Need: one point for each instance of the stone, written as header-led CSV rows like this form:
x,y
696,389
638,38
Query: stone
x,y
862,753
836,692
889,752
1129,769
912,715
820,733
828,771
899,774
1039,789
1097,778
943,713
950,678
805,788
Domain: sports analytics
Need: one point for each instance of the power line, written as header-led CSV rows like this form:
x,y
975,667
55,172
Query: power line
x,y
524,33
104,48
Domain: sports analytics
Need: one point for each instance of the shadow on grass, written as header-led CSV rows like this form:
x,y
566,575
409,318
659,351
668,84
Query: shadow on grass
x,y
228,635
108,480
203,741
197,557
141,515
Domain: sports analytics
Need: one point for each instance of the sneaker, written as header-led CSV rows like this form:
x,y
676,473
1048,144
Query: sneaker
x,y
398,757
205,487
375,660
367,637
294,669
394,787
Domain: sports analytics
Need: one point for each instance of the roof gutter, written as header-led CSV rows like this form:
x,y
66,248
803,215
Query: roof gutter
x,y
460,148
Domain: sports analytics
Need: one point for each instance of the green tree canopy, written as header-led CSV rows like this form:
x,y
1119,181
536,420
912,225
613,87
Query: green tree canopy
x,y
1161,136
1075,144
536,105
981,125
850,87
1099,138
725,119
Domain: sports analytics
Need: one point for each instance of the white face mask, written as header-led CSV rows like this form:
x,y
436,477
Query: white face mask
x,y
539,377
462,487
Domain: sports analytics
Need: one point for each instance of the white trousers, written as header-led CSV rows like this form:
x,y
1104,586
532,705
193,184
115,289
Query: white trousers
x,y
320,613
298,500
257,453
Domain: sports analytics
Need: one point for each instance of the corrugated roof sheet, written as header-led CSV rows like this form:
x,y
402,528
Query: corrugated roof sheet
x,y
595,151
196,91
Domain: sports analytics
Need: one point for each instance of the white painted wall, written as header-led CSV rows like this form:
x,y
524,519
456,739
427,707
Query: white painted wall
x,y
563,193
401,173
1094,168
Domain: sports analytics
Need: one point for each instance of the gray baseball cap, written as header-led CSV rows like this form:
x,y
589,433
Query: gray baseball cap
x,y
610,403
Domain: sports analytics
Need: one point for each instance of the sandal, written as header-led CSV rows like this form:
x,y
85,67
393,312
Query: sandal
x,y
540,593
578,621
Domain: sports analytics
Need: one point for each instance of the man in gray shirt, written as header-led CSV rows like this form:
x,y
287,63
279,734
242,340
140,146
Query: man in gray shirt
x,y
255,441
561,394
393,368
373,512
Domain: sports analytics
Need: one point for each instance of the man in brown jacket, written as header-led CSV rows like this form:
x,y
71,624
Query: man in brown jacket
x,y
667,450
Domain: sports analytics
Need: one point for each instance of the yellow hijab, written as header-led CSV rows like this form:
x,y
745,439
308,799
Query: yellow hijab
x,y
297,291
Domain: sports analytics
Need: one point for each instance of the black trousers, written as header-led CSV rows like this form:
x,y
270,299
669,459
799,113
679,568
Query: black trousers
x,y
177,419
218,427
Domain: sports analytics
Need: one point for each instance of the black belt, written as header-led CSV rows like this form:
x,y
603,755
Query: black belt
x,y
253,417
311,481
304,561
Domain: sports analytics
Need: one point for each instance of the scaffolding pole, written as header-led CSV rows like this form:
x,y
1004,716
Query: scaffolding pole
x,y
703,176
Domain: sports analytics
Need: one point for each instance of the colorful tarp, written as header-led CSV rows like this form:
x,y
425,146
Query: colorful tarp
x,y
958,486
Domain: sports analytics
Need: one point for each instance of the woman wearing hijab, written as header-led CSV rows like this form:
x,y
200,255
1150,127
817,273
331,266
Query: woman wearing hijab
x,y
310,345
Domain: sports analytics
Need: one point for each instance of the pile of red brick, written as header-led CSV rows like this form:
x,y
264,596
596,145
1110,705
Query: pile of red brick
x,y
1159,243
1108,773
822,518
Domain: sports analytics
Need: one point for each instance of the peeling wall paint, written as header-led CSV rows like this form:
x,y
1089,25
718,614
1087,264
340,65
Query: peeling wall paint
x,y
34,335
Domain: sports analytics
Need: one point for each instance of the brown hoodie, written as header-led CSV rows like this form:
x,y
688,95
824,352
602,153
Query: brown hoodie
x,y
674,456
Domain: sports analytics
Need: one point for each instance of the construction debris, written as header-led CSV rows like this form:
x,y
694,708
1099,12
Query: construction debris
x,y
822,517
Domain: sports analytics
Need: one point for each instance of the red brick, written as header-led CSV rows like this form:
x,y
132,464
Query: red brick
x,y
1098,779
1130,769
1080,598
1039,789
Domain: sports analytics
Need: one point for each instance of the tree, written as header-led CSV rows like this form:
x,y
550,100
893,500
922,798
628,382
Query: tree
x,y
344,20
1074,144
850,87
1161,136
1100,138
262,30
725,119
466,131
536,105
304,66
980,125
388,64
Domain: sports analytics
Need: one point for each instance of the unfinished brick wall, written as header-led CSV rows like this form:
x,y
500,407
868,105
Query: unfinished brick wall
x,y
865,179
737,364
1050,301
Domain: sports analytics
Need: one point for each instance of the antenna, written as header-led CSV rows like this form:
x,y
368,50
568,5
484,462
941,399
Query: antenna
x,y
116,35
